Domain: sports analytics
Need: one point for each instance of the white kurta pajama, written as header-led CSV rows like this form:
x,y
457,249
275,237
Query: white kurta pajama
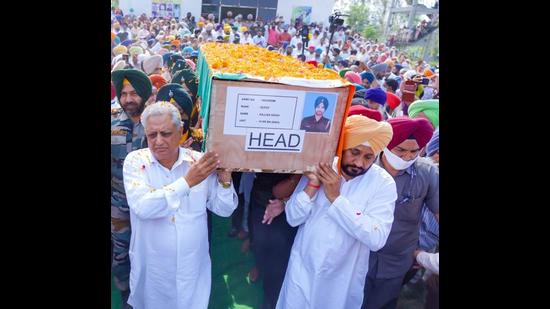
x,y
170,263
329,259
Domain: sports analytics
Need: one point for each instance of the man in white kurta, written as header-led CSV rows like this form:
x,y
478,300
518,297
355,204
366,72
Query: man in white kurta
x,y
340,219
169,257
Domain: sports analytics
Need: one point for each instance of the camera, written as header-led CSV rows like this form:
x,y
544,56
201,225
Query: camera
x,y
335,20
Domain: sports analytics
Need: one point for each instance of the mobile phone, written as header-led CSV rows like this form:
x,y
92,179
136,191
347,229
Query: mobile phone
x,y
409,86
425,81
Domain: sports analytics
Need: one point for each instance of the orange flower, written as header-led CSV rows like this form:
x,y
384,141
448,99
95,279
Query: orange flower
x,y
257,61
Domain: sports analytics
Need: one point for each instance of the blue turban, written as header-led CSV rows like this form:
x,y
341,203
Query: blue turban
x,y
187,50
358,87
127,43
166,57
433,144
377,95
319,50
398,67
367,75
381,67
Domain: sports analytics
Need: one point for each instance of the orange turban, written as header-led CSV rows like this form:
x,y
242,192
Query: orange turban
x,y
176,43
360,129
157,80
428,72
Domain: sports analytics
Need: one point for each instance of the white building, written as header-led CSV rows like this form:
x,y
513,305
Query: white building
x,y
317,10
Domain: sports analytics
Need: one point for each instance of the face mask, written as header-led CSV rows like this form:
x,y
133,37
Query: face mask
x,y
396,162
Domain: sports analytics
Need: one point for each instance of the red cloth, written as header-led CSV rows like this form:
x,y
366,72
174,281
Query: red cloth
x,y
367,112
283,37
353,77
157,80
392,100
272,37
404,127
312,62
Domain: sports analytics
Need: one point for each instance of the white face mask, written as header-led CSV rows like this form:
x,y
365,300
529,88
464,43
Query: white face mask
x,y
396,162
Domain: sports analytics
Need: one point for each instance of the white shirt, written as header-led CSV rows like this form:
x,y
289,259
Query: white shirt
x,y
330,256
294,41
315,42
170,263
430,261
292,31
247,40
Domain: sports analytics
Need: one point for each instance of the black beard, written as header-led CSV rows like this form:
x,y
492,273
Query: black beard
x,y
347,170
138,112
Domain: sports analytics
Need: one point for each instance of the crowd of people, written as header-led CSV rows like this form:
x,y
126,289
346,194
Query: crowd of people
x,y
405,35
326,239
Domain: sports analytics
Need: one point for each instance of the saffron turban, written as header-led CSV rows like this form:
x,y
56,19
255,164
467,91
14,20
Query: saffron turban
x,y
430,108
428,72
157,80
360,129
407,128
119,49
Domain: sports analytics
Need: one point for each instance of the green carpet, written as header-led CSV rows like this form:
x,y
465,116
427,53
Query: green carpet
x,y
230,285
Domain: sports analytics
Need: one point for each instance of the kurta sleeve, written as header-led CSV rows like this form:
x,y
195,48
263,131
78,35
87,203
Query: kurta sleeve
x,y
146,201
373,227
221,201
429,261
298,207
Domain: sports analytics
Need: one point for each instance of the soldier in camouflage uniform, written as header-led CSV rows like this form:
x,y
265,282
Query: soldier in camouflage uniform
x,y
133,89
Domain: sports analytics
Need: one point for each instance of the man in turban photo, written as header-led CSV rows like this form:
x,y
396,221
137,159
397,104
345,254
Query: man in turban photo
x,y
317,122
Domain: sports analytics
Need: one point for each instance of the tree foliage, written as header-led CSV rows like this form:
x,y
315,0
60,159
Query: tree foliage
x,y
371,32
358,16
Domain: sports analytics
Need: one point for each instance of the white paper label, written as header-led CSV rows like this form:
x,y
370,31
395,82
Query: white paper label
x,y
274,140
261,108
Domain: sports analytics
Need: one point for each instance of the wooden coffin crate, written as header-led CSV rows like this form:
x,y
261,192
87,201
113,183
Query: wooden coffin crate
x,y
226,116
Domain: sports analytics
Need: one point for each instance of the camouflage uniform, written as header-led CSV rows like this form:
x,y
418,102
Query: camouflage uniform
x,y
125,137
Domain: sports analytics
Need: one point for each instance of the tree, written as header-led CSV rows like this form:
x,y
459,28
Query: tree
x,y
371,32
358,16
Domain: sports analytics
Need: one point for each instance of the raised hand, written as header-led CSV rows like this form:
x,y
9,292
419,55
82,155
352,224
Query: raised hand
x,y
202,169
330,180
